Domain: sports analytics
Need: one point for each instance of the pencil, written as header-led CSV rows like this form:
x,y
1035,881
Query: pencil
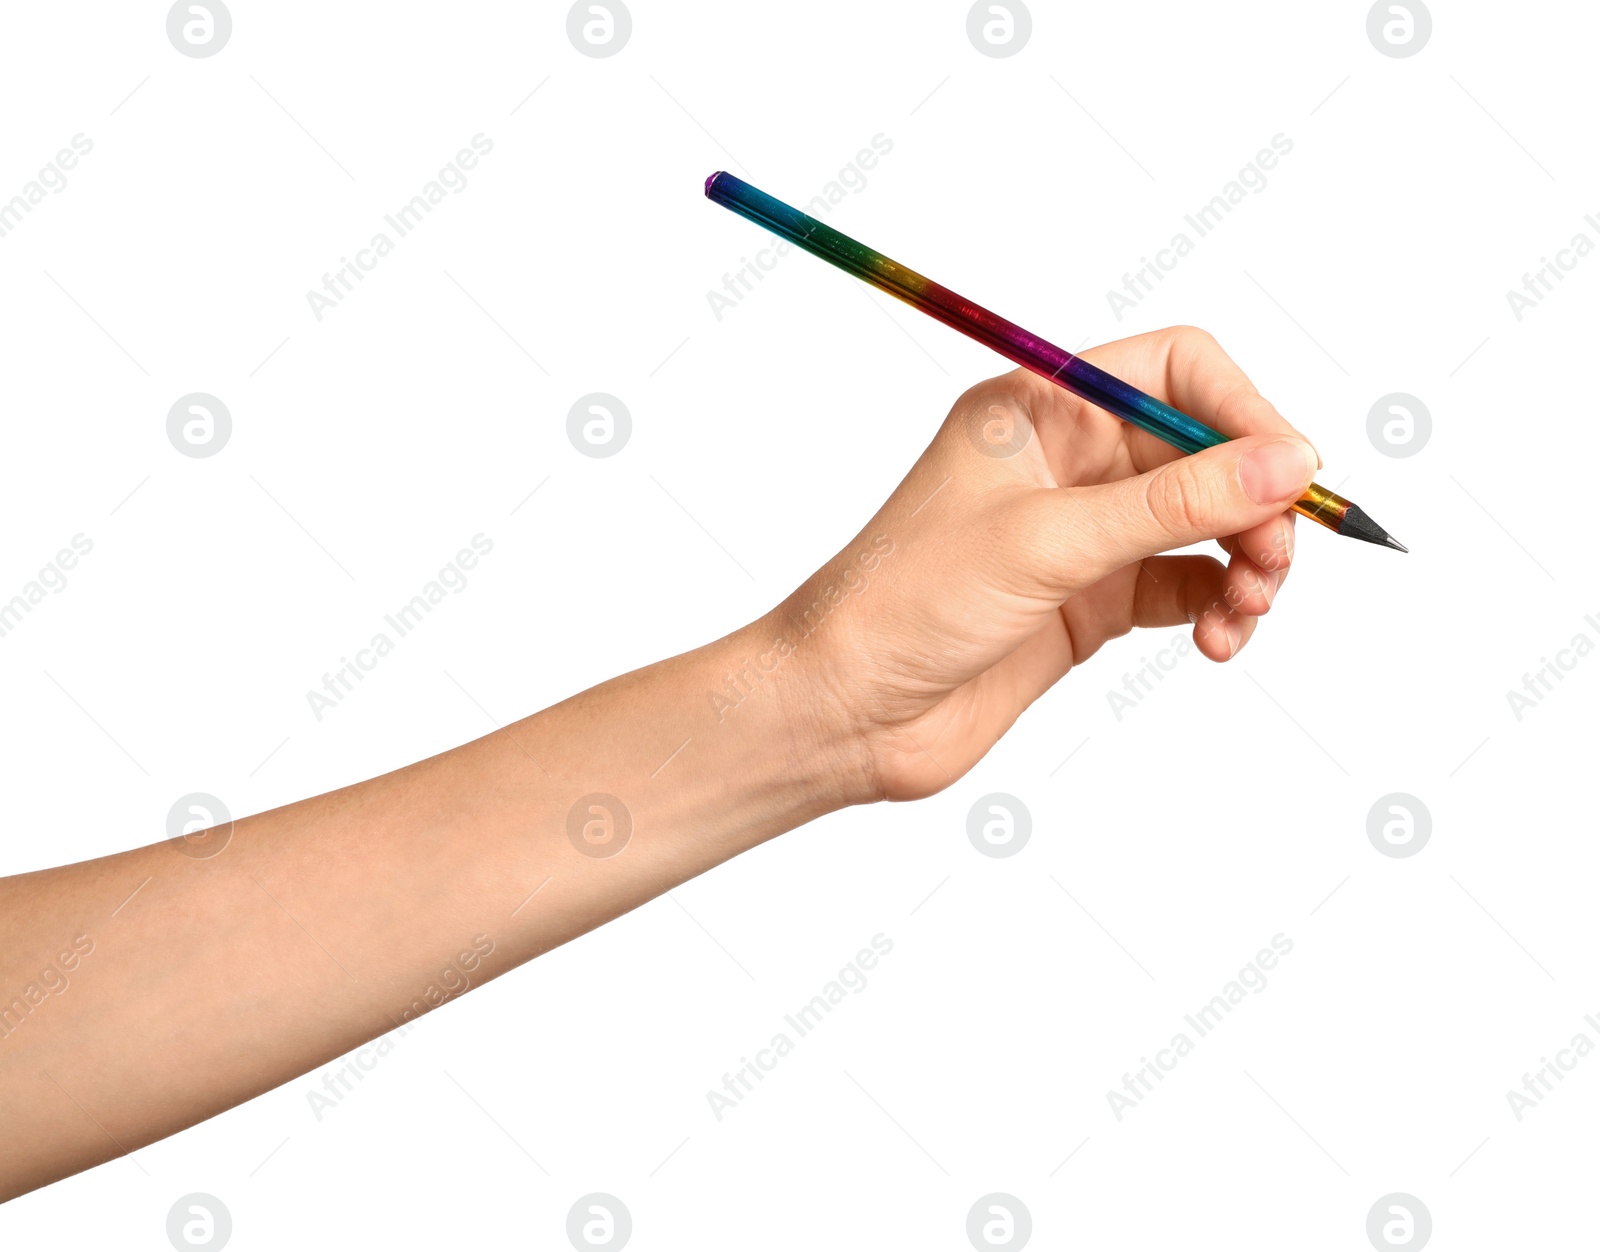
x,y
1011,341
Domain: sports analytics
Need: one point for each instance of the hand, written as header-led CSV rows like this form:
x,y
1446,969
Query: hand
x,y
1023,539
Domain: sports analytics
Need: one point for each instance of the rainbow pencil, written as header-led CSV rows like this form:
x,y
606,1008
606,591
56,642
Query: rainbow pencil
x,y
1011,341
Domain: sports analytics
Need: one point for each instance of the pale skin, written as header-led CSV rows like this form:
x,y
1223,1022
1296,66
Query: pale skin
x,y
1026,536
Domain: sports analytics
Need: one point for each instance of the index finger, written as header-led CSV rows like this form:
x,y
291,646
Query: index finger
x,y
1186,367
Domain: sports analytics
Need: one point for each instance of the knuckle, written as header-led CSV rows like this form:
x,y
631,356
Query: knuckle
x,y
1246,409
1192,338
1179,498
1009,393
1001,389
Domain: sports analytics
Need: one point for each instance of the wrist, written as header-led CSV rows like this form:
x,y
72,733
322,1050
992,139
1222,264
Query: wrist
x,y
770,685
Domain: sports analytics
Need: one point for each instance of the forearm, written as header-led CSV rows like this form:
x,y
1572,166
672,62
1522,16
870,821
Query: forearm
x,y
333,920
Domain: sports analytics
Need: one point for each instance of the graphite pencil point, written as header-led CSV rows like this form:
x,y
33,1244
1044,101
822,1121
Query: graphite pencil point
x,y
1357,525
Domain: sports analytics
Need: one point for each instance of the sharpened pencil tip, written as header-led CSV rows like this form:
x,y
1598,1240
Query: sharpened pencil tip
x,y
1357,525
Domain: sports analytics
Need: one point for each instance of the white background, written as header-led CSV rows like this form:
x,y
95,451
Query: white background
x,y
369,446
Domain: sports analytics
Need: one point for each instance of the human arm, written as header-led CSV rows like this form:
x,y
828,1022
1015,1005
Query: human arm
x,y
1020,541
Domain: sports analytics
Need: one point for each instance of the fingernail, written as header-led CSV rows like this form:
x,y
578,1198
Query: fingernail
x,y
1269,586
1277,471
1235,636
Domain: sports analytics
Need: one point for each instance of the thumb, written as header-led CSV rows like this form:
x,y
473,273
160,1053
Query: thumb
x,y
1219,491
